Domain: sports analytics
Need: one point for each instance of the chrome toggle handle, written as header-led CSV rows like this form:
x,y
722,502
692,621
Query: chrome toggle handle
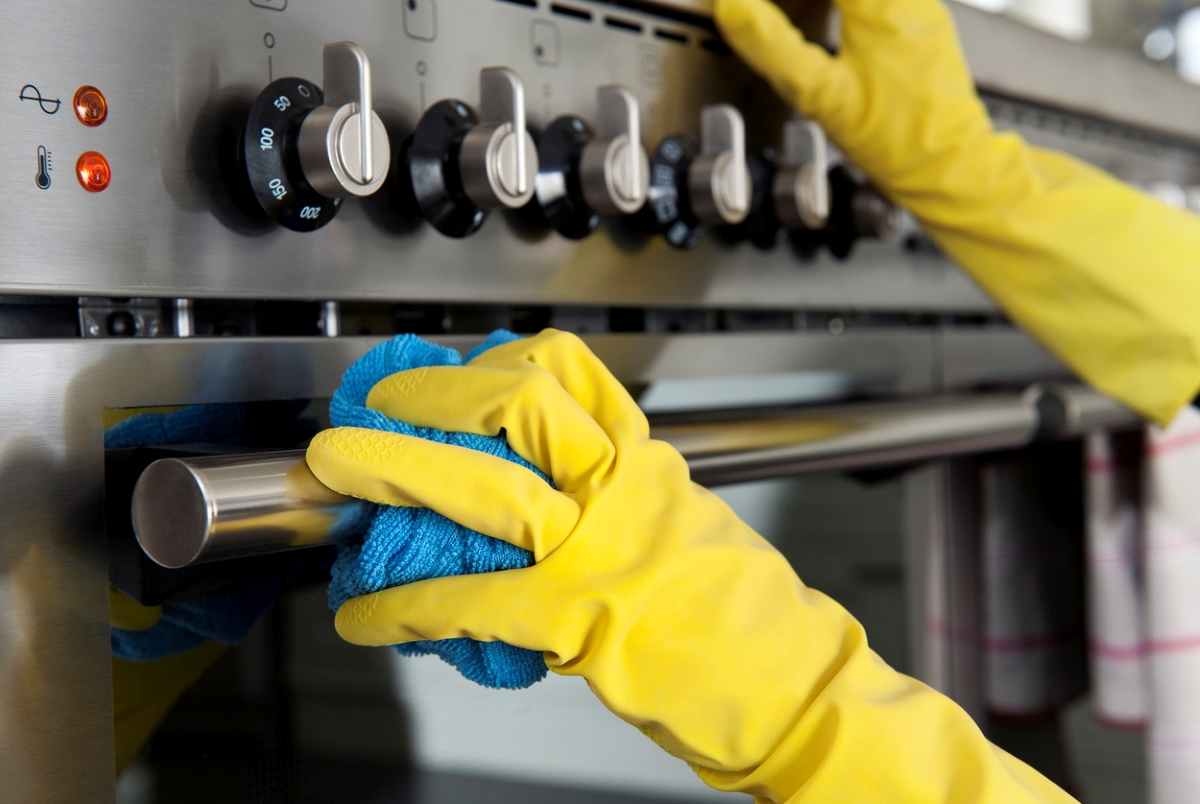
x,y
339,152
347,79
801,188
614,168
498,160
718,180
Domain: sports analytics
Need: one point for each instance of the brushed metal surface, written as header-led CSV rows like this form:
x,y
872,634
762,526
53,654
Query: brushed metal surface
x,y
165,226
969,359
55,685
1013,59
161,228
55,682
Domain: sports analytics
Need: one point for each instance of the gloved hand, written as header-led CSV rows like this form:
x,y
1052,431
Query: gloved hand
x,y
683,621
143,692
1104,276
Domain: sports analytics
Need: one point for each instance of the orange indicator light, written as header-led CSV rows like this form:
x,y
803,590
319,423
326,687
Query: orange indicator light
x,y
90,106
93,171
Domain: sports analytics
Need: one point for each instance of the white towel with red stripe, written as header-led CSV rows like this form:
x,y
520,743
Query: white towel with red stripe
x,y
1172,598
1116,620
1033,611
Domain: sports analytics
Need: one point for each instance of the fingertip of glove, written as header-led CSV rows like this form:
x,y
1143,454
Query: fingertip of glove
x,y
400,385
352,615
321,451
337,456
358,444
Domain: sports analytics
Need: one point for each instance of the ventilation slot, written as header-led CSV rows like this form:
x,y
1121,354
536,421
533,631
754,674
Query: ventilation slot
x,y
569,11
623,24
671,36
716,46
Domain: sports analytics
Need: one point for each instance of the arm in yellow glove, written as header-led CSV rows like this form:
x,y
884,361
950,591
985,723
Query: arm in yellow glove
x,y
143,692
683,621
1104,276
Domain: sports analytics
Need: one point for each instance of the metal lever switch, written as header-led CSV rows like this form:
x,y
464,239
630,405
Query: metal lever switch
x,y
498,160
718,180
339,153
801,186
614,168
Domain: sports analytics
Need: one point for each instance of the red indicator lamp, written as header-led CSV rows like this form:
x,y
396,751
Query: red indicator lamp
x,y
90,106
93,171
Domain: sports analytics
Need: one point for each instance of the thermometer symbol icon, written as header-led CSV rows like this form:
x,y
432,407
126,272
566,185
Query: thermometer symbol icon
x,y
43,175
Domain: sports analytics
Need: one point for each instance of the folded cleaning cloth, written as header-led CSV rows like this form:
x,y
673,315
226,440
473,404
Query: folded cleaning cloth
x,y
406,544
226,616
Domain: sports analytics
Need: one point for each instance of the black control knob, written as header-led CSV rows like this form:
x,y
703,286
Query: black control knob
x,y
856,211
584,174
459,164
691,187
668,208
303,150
761,226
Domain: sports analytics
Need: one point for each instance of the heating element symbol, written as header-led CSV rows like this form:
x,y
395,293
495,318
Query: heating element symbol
x,y
49,105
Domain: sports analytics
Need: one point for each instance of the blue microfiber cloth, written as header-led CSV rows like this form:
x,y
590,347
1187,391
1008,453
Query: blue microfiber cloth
x,y
228,615
410,544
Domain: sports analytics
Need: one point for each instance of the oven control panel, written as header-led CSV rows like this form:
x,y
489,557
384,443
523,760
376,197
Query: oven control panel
x,y
454,150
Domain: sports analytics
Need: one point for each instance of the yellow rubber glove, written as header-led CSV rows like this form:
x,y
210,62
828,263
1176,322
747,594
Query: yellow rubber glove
x,y
1104,276
684,621
143,692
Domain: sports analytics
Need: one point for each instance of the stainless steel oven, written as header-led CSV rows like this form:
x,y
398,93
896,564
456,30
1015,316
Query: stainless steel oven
x,y
150,257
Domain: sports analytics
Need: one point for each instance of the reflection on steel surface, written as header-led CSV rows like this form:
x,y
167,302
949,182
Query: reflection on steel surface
x,y
191,510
